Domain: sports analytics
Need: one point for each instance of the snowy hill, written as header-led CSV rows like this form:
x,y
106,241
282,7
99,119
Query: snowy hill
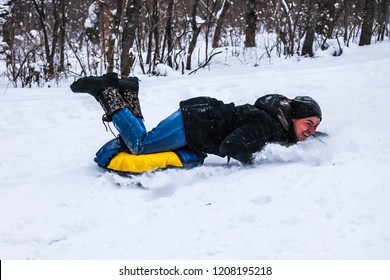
x,y
310,201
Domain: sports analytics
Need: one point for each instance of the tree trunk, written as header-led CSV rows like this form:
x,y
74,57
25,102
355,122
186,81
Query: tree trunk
x,y
156,32
368,21
168,33
211,8
8,31
131,22
307,49
251,21
61,66
195,33
312,16
326,19
40,9
220,20
383,19
286,25
115,22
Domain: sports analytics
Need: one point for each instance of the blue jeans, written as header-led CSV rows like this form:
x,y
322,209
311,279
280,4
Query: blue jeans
x,y
168,135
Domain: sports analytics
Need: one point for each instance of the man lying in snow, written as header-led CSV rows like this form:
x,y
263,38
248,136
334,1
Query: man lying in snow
x,y
201,126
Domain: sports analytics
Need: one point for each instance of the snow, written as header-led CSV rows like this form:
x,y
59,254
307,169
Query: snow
x,y
314,200
92,17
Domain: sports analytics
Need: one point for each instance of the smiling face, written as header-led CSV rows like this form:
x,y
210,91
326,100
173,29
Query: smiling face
x,y
305,127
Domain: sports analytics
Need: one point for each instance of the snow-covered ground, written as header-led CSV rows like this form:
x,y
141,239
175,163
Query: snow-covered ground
x,y
313,200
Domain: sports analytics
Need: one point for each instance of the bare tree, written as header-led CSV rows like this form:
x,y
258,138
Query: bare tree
x,y
196,28
169,33
383,19
62,36
131,22
368,21
312,17
50,33
251,22
153,52
220,21
113,34
284,27
8,29
95,33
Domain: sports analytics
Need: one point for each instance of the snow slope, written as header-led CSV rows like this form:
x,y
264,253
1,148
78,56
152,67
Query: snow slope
x,y
313,200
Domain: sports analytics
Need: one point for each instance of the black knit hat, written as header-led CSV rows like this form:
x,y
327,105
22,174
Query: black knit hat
x,y
305,107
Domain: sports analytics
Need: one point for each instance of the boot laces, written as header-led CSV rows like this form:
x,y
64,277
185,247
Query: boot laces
x,y
106,124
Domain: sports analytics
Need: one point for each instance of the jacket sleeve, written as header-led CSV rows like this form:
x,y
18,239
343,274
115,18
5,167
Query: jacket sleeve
x,y
246,140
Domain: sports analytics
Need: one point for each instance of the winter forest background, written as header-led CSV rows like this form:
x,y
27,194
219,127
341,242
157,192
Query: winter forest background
x,y
43,41
325,198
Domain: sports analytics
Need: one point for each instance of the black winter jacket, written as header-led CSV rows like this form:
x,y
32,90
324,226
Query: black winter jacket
x,y
214,127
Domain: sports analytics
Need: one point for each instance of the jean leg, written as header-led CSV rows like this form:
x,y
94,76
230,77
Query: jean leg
x,y
131,128
166,136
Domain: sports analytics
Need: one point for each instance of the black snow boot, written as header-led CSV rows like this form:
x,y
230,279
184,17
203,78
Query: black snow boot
x,y
94,85
105,89
128,88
